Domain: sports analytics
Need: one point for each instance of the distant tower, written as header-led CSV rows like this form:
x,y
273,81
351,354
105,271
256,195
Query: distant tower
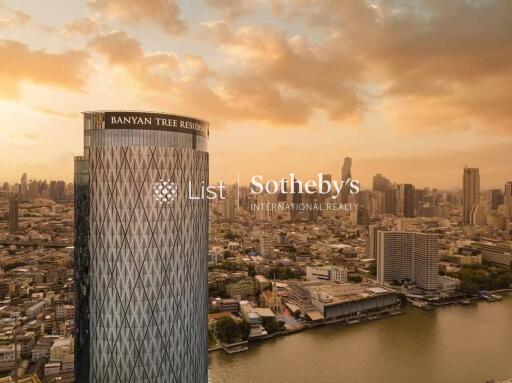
x,y
296,200
470,192
24,187
390,201
282,197
13,213
507,197
495,198
324,197
406,192
380,183
346,173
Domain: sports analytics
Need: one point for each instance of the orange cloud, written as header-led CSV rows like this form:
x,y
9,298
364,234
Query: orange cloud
x,y
19,64
85,25
440,64
13,17
301,75
189,84
165,13
231,8
435,76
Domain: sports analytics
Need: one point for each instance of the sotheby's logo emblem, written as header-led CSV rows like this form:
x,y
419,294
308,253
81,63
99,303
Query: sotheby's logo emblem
x,y
165,191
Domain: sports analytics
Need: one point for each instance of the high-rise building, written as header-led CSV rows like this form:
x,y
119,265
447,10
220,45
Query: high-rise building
x,y
282,197
478,215
323,197
380,182
13,216
408,256
371,241
141,249
346,174
389,201
296,200
406,200
57,190
507,197
495,199
23,187
470,192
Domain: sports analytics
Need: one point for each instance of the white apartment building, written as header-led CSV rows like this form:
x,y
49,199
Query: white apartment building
x,y
408,256
327,273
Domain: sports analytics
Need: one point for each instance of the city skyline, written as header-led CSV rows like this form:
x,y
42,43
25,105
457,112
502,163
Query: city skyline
x,y
408,106
368,185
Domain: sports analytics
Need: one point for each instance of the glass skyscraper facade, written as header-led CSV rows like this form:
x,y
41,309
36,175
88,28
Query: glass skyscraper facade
x,y
140,254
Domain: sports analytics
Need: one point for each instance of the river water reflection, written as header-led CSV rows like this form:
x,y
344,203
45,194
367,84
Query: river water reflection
x,y
458,344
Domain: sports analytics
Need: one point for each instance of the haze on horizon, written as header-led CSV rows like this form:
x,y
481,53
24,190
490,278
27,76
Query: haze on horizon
x,y
414,90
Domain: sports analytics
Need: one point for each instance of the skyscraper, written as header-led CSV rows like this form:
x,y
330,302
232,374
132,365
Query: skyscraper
x,y
23,187
13,217
57,190
346,174
507,197
380,183
495,198
406,200
470,192
389,201
409,256
371,241
141,248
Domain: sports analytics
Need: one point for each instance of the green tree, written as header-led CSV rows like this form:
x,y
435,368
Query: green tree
x,y
228,330
270,325
355,278
504,281
373,268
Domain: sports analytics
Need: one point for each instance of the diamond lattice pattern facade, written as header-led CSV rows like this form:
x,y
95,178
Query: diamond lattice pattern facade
x,y
146,275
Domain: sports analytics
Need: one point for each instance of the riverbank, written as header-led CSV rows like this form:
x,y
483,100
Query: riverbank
x,y
228,348
456,344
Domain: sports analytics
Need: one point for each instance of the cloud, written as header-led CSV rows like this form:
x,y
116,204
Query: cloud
x,y
427,65
86,25
303,74
188,83
20,63
58,113
153,71
231,8
13,17
164,13
440,64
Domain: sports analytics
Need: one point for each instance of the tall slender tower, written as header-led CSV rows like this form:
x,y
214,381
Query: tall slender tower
x,y
406,200
24,187
470,192
507,197
13,213
346,173
141,248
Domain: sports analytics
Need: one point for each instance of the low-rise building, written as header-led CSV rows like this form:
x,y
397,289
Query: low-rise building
x,y
448,285
224,305
327,273
242,288
497,254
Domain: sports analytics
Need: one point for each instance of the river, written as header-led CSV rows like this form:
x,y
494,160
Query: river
x,y
457,344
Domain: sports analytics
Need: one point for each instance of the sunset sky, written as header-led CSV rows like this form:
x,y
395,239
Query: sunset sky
x,y
411,89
